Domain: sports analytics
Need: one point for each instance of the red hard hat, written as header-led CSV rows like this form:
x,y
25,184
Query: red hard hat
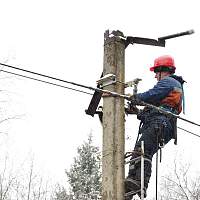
x,y
165,62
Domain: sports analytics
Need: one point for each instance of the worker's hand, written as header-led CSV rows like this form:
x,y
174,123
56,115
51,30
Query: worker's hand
x,y
132,110
135,100
131,97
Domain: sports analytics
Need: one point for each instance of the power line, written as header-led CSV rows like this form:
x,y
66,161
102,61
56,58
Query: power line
x,y
47,82
47,76
188,131
114,94
167,112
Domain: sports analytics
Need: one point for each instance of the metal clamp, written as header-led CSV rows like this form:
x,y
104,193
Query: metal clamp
x,y
133,83
106,80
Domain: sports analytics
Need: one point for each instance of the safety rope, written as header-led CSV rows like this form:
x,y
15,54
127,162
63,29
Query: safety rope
x,y
159,137
156,175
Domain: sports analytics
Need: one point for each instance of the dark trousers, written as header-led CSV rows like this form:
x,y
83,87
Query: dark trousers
x,y
156,130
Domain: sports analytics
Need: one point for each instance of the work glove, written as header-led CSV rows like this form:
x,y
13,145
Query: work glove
x,y
133,99
131,109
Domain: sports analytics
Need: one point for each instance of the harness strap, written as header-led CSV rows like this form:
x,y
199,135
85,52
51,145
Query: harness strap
x,y
139,131
136,161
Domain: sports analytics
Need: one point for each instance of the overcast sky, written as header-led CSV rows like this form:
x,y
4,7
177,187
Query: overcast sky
x,y
64,39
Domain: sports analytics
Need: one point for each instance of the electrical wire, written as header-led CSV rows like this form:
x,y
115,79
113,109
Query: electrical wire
x,y
80,85
35,79
81,91
168,113
114,94
47,76
188,131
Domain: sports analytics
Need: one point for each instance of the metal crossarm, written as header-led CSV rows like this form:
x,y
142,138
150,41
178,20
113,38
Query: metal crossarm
x,y
145,41
159,42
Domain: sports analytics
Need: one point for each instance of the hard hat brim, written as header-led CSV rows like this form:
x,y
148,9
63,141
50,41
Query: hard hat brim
x,y
164,68
152,68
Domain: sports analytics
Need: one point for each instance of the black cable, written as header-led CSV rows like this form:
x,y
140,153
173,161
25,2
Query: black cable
x,y
46,76
188,131
113,94
167,112
35,79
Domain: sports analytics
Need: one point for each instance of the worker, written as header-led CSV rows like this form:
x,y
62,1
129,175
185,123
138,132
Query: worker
x,y
156,128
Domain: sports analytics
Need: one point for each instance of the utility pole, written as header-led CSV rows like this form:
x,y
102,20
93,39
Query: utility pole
x,y
112,82
113,119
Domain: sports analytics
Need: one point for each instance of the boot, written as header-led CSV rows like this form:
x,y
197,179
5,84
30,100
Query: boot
x,y
133,181
132,187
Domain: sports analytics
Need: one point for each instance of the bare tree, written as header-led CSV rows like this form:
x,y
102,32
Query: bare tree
x,y
32,185
7,180
24,183
180,184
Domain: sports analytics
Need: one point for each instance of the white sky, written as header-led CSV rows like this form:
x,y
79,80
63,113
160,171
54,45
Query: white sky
x,y
64,39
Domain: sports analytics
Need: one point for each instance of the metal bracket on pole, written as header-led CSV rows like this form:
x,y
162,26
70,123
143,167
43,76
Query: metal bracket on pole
x,y
106,80
96,98
103,81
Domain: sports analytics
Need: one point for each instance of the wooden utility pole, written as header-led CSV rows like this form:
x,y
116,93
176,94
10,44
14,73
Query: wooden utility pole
x,y
113,120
